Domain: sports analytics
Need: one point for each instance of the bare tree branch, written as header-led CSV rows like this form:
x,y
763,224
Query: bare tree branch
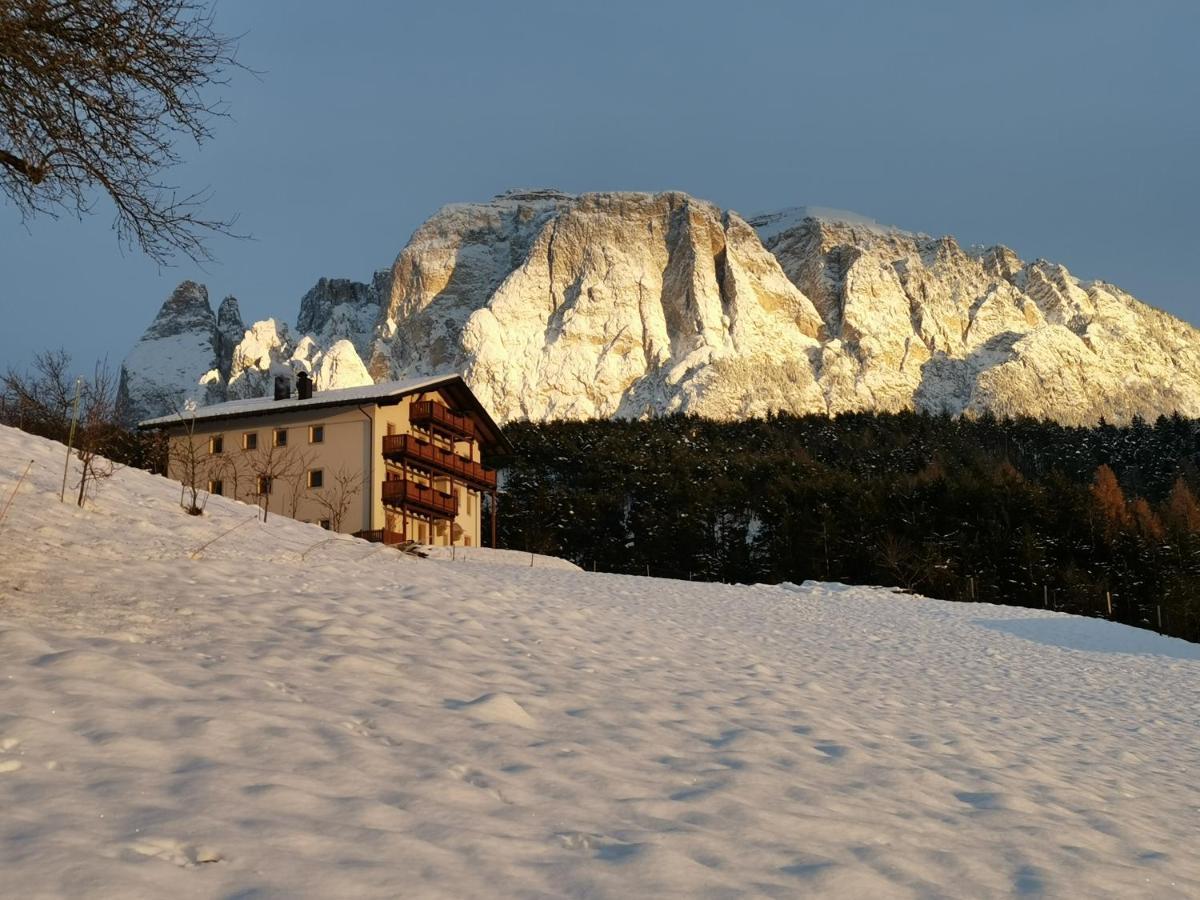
x,y
94,95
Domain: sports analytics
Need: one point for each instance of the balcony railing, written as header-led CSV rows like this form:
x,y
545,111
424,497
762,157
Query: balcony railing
x,y
447,462
405,493
380,536
437,416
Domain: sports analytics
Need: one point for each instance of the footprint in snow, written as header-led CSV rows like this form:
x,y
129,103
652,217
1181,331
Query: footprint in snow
x,y
186,856
602,847
981,800
831,750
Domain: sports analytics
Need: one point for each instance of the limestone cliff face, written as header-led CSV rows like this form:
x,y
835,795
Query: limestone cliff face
x,y
624,304
924,324
606,304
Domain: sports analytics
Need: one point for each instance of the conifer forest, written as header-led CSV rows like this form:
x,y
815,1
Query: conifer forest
x,y
1098,521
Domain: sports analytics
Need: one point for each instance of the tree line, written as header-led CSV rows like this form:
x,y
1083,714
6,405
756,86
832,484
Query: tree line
x,y
1019,512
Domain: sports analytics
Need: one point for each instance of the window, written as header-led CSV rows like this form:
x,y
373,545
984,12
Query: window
x,y
216,487
216,444
391,428
250,440
325,524
280,437
316,434
316,478
263,484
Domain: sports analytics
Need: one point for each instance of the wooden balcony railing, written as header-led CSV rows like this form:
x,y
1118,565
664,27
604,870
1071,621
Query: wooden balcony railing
x,y
421,498
380,536
447,462
438,417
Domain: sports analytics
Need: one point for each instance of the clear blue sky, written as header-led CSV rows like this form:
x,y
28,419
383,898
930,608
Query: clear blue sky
x,y
1067,130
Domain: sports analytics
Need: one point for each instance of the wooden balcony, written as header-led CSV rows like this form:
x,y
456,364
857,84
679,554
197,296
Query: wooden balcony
x,y
397,447
438,417
419,498
380,536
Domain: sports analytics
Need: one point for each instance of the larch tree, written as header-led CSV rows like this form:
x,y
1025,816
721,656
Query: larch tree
x,y
1182,510
94,95
1109,501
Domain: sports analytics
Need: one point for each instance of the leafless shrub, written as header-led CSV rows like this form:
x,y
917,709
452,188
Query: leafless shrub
x,y
336,497
269,465
295,475
95,429
40,400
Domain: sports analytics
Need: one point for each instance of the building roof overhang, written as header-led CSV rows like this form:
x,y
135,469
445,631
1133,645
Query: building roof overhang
x,y
387,393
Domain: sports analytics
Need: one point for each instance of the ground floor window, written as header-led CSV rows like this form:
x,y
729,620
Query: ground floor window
x,y
263,484
316,478
216,487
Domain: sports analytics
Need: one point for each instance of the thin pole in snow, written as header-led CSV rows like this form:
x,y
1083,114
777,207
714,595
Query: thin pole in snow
x,y
647,570
1160,618
1045,596
13,495
70,440
1108,598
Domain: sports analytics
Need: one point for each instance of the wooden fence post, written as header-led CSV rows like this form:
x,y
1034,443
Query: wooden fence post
x,y
1108,597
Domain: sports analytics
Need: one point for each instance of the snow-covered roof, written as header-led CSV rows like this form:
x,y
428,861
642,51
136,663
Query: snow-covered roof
x,y
374,393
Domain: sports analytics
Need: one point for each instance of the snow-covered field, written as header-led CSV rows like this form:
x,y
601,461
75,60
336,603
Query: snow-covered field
x,y
286,715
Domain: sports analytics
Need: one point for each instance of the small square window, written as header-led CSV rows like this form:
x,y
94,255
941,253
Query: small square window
x,y
325,524
316,478
216,444
280,437
216,487
263,484
250,440
316,434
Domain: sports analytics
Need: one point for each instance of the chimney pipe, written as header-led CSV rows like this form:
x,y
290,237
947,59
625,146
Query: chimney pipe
x,y
283,387
303,386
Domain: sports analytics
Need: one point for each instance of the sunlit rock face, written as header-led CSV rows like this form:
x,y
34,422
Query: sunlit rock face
x,y
628,304
926,324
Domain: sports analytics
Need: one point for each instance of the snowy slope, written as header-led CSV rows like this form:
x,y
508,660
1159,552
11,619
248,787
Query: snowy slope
x,y
293,715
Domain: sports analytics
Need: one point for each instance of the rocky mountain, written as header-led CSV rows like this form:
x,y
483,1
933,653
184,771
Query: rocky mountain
x,y
626,304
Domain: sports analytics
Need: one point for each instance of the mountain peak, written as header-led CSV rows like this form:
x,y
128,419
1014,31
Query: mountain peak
x,y
554,305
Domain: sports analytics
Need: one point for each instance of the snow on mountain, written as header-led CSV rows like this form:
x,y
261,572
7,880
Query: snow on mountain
x,y
624,304
215,706
770,224
234,361
176,363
